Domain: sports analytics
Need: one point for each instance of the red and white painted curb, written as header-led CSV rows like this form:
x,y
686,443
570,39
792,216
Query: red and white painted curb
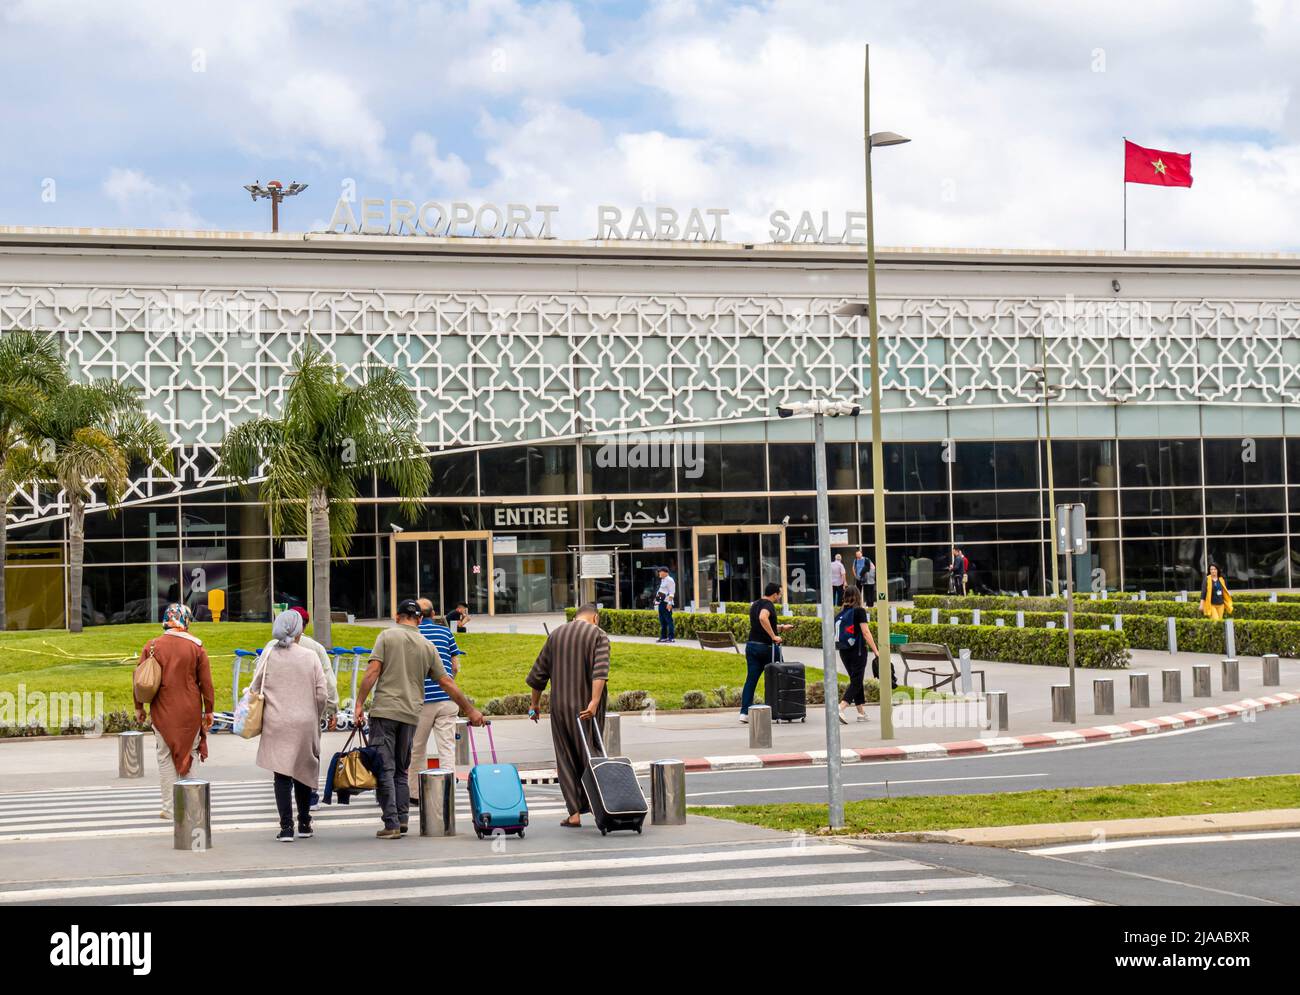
x,y
968,747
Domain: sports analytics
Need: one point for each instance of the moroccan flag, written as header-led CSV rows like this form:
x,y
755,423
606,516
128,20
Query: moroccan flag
x,y
1163,169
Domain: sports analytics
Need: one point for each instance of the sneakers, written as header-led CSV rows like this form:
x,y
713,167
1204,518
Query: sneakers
x,y
863,718
744,719
304,831
843,720
285,836
389,834
403,828
165,815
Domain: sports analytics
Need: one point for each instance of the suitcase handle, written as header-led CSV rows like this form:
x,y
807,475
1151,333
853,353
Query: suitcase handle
x,y
600,742
469,731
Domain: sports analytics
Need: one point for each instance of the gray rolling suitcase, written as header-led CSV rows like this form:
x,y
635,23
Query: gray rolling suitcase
x,y
613,791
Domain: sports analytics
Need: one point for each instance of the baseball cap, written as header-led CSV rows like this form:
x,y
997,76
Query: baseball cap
x,y
408,606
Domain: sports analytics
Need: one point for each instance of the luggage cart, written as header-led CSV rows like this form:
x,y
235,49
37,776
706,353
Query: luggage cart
x,y
245,662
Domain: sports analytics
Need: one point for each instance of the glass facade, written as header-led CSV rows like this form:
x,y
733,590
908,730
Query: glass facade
x,y
504,528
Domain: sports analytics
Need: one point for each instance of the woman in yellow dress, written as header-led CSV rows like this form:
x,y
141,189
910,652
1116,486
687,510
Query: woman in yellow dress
x,y
1215,599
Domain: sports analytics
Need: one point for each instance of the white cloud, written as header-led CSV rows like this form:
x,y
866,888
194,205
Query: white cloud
x,y
148,203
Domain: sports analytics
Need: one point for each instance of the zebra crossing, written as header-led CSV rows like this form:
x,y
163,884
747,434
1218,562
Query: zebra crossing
x,y
236,805
772,872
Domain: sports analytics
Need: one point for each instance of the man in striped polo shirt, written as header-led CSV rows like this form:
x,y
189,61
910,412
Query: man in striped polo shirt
x,y
439,712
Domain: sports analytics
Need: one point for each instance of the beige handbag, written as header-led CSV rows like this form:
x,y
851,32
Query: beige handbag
x,y
147,678
248,713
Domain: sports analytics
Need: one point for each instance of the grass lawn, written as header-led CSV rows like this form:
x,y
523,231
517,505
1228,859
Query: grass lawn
x,y
1127,801
102,658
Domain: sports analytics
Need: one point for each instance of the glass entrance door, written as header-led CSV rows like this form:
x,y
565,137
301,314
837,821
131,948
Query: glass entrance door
x,y
736,564
446,568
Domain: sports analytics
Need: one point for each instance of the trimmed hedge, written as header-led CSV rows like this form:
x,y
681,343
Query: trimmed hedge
x,y
1149,632
1250,610
742,608
1037,645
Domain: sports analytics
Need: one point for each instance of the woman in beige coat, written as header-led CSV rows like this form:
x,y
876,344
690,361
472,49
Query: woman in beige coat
x,y
291,680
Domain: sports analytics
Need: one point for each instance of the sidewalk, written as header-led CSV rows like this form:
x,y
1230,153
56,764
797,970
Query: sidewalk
x,y
658,735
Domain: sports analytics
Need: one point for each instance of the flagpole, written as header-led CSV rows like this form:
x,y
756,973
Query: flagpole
x,y
1125,243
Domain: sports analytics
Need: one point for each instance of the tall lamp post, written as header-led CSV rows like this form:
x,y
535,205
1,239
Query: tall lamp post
x,y
820,410
858,309
1049,391
275,191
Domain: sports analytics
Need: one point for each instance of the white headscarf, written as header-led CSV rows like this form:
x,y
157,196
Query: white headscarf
x,y
286,628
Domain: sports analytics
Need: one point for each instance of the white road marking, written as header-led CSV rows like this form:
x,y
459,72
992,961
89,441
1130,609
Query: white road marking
x,y
1144,841
860,784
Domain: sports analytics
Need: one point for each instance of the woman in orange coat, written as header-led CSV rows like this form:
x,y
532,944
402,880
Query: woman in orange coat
x,y
1215,599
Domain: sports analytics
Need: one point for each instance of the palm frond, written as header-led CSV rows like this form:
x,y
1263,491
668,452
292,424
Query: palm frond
x,y
312,395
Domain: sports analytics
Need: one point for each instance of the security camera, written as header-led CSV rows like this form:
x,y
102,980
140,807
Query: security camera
x,y
785,520
1114,285
397,529
784,412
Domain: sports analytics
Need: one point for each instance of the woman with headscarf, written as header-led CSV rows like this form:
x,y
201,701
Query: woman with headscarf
x,y
181,711
293,689
1215,599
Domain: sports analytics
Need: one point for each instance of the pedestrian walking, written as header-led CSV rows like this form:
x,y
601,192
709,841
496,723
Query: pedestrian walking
x,y
331,709
181,711
957,574
853,639
869,583
294,694
665,598
399,663
837,580
438,716
1216,602
574,661
763,645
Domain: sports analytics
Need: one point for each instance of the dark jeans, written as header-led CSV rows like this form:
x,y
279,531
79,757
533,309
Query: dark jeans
x,y
667,627
856,665
837,594
757,656
287,790
393,740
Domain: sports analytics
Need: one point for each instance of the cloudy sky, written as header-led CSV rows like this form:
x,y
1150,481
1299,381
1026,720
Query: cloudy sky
x,y
146,113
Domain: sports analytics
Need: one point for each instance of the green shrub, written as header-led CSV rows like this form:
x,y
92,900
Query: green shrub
x,y
695,699
631,701
1249,610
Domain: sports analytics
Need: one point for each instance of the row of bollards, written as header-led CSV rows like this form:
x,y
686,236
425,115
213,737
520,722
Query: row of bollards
x,y
1171,686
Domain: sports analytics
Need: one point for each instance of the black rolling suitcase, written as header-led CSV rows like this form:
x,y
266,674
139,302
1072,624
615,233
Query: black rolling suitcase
x,y
783,690
613,791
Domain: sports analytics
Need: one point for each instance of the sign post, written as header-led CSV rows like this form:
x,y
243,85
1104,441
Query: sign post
x,y
1071,541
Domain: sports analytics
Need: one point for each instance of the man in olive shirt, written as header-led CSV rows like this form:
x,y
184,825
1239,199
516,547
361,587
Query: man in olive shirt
x,y
401,659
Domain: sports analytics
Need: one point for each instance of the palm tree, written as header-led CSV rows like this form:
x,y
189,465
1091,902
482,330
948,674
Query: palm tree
x,y
89,435
31,367
329,436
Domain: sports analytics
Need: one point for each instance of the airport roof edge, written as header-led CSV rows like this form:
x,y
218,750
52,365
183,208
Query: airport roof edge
x,y
17,237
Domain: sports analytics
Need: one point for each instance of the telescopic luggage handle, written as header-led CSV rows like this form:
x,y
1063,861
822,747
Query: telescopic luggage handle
x,y
469,731
582,734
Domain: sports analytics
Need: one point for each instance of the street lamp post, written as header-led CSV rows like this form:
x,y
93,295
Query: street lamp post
x,y
878,140
819,410
1049,391
275,191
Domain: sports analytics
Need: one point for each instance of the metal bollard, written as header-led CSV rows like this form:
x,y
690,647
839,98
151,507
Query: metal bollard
x,y
1201,680
437,802
1051,624
975,616
1272,670
934,616
1142,595
1171,634
668,793
1060,703
1229,639
1171,682
1103,695
613,734
1119,623
1020,620
963,660
952,620
893,613
907,619
999,621
1272,597
130,754
192,814
1105,627
1230,675
462,742
996,703
1139,691
760,726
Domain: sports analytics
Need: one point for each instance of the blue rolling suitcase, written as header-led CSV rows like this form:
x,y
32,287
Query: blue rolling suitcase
x,y
496,795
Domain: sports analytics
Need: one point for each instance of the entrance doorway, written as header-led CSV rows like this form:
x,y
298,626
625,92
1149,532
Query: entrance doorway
x,y
735,563
445,567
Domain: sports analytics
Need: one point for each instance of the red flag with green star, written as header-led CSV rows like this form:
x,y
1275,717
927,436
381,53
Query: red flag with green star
x,y
1163,169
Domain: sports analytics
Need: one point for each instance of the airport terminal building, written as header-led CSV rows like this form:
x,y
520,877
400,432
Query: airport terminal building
x,y
595,409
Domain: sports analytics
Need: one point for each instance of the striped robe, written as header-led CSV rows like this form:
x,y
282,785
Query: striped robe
x,y
575,654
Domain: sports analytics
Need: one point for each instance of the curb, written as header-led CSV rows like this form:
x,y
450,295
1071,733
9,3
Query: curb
x,y
1036,835
969,747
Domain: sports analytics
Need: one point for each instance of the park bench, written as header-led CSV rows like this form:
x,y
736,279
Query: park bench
x,y
936,662
717,641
